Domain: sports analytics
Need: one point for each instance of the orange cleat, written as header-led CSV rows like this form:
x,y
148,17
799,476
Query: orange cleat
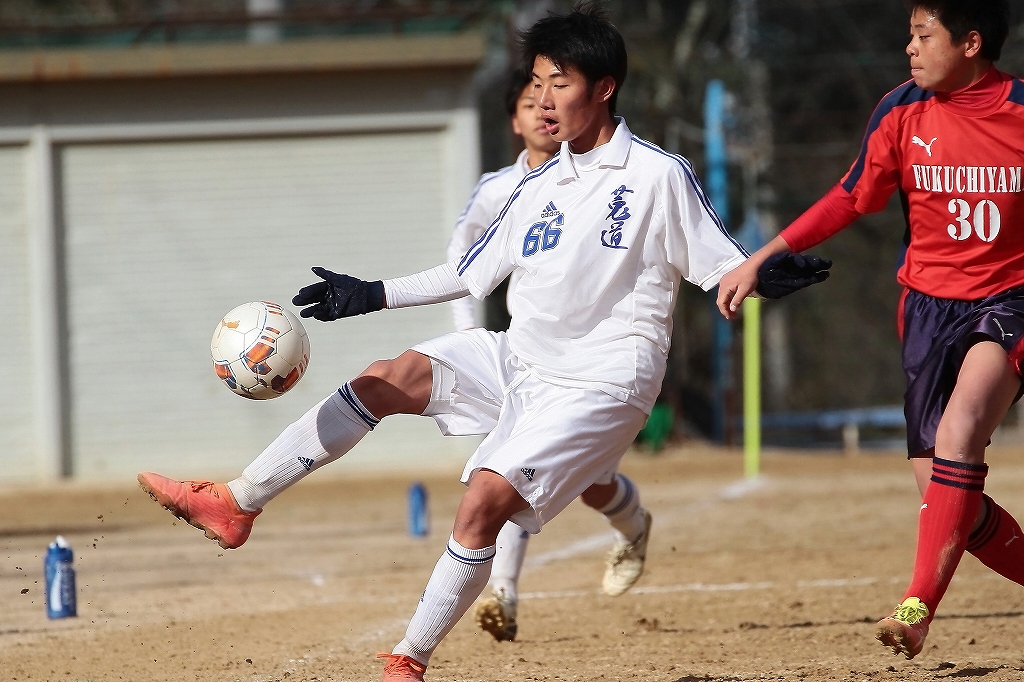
x,y
400,667
208,506
904,631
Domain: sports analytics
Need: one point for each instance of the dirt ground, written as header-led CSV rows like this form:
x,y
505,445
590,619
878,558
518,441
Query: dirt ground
x,y
777,581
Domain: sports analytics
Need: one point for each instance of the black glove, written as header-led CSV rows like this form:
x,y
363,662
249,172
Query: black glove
x,y
339,296
786,272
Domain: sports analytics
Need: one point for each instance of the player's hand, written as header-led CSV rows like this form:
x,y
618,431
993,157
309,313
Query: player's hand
x,y
735,286
783,273
339,296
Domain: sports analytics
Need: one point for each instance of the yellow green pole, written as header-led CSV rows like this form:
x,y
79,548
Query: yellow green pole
x,y
752,387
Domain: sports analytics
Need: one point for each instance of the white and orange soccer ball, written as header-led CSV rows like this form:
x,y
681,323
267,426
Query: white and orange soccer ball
x,y
260,350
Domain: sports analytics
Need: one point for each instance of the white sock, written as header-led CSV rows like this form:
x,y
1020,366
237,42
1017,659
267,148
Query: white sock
x,y
327,431
624,512
458,579
508,559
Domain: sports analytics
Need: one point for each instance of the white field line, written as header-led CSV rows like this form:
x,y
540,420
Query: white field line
x,y
742,487
717,587
592,543
600,541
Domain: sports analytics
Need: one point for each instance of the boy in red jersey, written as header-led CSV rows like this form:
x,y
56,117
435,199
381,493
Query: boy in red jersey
x,y
951,141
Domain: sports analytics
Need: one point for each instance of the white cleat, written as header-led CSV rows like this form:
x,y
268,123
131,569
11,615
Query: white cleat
x,y
625,563
497,615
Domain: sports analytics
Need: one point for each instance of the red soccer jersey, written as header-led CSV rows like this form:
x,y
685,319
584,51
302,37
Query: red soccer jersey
x,y
956,160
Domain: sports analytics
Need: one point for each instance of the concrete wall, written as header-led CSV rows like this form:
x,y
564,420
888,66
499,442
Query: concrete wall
x,y
134,212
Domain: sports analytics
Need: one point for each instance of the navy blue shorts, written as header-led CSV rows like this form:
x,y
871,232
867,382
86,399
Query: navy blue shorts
x,y
937,333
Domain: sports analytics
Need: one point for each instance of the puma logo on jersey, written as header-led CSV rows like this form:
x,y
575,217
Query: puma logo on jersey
x,y
528,473
306,462
927,147
924,506
550,211
1001,330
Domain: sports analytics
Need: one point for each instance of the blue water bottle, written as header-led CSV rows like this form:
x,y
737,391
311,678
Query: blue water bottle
x,y
419,515
60,580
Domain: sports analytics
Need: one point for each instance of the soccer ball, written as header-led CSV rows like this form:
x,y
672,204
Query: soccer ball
x,y
260,350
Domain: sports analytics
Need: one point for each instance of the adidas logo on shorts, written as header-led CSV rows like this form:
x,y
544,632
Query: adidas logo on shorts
x,y
306,462
528,473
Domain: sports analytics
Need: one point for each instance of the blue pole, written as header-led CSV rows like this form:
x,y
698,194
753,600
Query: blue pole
x,y
714,148
718,191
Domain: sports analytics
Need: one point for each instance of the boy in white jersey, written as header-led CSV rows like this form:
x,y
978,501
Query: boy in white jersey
x,y
493,189
496,613
601,236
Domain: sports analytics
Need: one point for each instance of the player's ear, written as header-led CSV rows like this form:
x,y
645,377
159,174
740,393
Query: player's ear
x,y
604,88
516,128
972,44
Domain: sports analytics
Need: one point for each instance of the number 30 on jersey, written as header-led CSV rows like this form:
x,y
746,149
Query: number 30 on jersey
x,y
542,236
987,230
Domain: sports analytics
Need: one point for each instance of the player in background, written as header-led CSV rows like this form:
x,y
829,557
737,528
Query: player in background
x,y
493,190
602,234
951,142
496,613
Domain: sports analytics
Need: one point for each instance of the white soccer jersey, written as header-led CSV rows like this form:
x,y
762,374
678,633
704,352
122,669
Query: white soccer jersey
x,y
601,241
488,198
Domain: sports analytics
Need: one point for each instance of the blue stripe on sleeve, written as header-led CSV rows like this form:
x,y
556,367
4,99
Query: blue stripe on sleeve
x,y
1017,92
481,243
487,177
906,94
697,188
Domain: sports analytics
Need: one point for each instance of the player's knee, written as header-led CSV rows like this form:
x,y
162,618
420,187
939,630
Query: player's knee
x,y
479,518
401,385
381,372
962,435
407,369
488,503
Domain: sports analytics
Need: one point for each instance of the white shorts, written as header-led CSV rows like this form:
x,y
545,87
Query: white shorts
x,y
550,442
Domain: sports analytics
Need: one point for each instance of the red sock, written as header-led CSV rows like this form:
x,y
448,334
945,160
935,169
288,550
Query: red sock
x,y
950,509
999,543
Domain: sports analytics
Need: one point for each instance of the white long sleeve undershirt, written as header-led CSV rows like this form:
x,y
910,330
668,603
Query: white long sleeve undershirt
x,y
435,285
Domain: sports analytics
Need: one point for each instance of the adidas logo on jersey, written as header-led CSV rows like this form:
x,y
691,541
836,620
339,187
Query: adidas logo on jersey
x,y
550,211
528,473
306,462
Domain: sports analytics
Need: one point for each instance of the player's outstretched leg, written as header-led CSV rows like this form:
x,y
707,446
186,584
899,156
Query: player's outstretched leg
x,y
460,574
226,511
327,431
619,501
496,613
984,390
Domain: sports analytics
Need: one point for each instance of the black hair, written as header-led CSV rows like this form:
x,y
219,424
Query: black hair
x,y
583,40
517,82
990,18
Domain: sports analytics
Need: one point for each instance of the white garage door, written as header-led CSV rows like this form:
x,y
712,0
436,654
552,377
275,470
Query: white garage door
x,y
163,238
17,460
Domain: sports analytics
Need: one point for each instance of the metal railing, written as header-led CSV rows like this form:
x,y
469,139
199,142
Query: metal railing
x,y
848,422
